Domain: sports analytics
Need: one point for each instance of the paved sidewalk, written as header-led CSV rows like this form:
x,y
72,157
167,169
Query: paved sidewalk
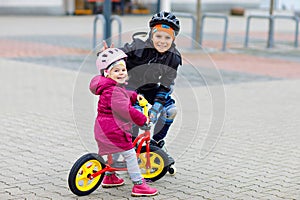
x,y
236,135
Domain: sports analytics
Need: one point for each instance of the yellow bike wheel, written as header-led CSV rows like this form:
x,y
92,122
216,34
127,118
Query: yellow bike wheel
x,y
79,176
158,163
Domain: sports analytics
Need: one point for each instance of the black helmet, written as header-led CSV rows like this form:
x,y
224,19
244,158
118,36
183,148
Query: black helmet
x,y
167,18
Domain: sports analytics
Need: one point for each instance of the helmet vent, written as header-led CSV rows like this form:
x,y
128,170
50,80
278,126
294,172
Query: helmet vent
x,y
167,18
109,56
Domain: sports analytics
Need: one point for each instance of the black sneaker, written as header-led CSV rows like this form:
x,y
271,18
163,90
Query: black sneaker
x,y
153,143
161,143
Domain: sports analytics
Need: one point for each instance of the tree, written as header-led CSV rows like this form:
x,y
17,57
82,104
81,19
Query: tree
x,y
271,26
199,16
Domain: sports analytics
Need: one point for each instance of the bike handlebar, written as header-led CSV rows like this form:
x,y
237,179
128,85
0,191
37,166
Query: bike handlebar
x,y
143,103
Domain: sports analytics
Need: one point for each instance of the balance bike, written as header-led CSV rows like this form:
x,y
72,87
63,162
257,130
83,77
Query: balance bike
x,y
88,171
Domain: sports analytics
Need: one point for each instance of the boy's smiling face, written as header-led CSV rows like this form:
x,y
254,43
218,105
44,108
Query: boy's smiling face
x,y
162,41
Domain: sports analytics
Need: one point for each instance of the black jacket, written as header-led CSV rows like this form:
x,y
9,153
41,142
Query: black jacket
x,y
151,73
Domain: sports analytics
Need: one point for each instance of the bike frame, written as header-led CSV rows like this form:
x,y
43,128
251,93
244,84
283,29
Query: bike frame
x,y
142,138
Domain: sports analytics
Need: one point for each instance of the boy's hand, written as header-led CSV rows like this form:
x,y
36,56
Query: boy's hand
x,y
153,116
105,46
154,111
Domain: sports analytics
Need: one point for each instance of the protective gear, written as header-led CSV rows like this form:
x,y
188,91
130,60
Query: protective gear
x,y
108,57
119,62
167,18
154,111
164,122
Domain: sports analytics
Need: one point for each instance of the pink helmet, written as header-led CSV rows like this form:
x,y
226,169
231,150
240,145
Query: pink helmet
x,y
108,57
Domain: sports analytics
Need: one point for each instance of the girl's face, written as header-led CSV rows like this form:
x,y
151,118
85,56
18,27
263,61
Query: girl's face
x,y
162,41
118,73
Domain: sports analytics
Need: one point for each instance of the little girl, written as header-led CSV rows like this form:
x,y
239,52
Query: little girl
x,y
115,117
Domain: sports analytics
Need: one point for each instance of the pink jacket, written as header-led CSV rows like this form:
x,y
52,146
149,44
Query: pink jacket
x,y
115,115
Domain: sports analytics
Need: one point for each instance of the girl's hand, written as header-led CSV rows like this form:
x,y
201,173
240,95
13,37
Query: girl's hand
x,y
148,121
147,125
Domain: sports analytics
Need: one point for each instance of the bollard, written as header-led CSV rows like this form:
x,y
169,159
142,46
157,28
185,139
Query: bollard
x,y
119,21
271,32
272,18
213,15
296,19
112,18
101,17
188,15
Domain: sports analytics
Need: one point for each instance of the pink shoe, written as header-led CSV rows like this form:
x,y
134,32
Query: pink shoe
x,y
143,190
112,181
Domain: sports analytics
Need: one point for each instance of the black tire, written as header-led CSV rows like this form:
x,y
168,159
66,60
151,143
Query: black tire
x,y
159,163
172,170
78,180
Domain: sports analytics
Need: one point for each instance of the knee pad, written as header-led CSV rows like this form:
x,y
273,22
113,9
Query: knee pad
x,y
171,112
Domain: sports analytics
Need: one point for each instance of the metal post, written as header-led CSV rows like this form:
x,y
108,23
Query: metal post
x,y
101,17
296,31
198,22
271,26
247,32
201,30
225,28
119,21
158,6
188,15
271,29
107,15
104,22
296,19
225,34
271,32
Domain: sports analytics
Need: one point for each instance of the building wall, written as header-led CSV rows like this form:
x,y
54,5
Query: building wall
x,y
62,7
213,5
38,7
